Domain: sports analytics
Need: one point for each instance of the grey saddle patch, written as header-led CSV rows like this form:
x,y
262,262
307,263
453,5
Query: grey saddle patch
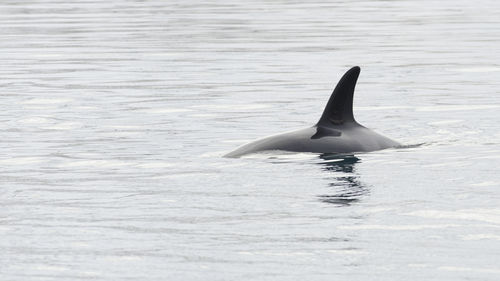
x,y
322,132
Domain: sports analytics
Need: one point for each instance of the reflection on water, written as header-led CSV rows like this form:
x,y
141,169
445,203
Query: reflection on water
x,y
346,188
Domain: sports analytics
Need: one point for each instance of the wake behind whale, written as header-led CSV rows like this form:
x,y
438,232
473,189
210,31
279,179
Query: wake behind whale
x,y
336,131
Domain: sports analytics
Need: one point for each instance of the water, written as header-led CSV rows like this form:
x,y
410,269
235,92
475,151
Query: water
x,y
115,114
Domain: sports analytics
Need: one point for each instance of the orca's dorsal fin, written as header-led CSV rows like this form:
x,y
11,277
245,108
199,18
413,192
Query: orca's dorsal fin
x,y
338,110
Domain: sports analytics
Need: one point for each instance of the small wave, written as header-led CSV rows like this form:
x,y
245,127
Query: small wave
x,y
406,146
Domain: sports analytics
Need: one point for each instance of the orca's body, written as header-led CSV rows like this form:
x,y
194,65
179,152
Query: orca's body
x,y
336,132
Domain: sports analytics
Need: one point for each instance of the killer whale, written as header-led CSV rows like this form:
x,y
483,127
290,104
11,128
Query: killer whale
x,y
336,131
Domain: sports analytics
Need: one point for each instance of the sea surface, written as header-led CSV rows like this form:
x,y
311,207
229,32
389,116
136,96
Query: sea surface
x,y
115,115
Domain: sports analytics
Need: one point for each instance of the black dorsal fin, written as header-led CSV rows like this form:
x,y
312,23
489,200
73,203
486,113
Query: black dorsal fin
x,y
338,110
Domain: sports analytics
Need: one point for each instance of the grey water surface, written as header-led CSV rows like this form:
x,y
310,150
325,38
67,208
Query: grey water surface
x,y
114,117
